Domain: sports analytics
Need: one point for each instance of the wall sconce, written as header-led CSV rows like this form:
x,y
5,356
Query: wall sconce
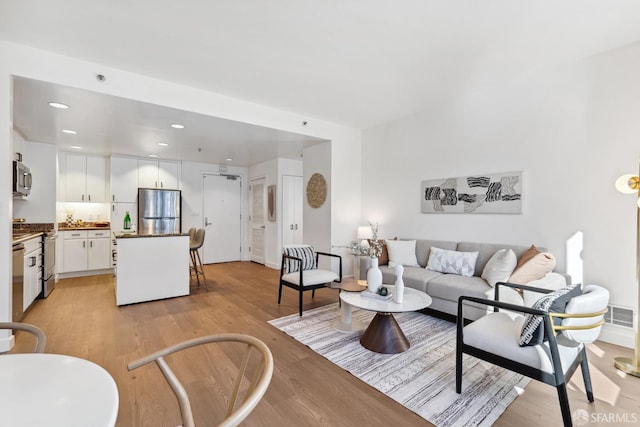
x,y
630,184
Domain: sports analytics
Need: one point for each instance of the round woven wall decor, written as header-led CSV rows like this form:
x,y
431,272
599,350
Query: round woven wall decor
x,y
316,190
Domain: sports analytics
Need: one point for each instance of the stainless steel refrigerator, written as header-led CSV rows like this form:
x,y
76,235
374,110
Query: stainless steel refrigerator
x,y
159,211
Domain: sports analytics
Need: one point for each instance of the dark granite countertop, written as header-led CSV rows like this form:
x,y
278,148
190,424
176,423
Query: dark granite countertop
x,y
133,235
23,237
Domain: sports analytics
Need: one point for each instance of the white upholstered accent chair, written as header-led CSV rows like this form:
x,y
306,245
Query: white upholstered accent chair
x,y
41,338
299,271
257,373
496,338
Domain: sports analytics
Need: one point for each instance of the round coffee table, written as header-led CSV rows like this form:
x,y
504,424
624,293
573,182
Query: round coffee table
x,y
383,335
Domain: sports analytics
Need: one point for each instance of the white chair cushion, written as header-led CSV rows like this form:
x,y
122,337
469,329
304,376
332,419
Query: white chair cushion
x,y
499,334
593,299
311,277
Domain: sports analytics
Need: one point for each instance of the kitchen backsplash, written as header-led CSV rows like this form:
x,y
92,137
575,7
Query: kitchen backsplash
x,y
86,212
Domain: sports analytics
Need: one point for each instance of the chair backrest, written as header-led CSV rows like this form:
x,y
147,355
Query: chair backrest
x,y
41,338
260,377
304,252
192,234
198,239
594,300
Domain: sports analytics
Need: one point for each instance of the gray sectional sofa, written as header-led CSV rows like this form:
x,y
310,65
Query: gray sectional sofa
x,y
445,289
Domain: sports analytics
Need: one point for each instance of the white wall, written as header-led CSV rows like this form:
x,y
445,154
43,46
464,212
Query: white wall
x,y
572,131
40,206
317,221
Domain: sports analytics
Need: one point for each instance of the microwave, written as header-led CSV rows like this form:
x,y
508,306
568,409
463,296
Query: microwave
x,y
21,179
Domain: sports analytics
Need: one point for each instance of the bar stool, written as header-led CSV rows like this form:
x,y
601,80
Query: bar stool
x,y
196,263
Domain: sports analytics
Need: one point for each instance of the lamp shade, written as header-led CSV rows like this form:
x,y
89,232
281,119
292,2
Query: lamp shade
x,y
364,232
627,184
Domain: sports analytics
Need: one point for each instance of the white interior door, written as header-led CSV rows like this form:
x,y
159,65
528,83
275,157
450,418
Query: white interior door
x,y
221,210
258,214
292,197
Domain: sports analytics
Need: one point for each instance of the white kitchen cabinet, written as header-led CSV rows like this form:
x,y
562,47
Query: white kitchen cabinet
x,y
124,179
158,174
32,271
292,196
85,178
86,250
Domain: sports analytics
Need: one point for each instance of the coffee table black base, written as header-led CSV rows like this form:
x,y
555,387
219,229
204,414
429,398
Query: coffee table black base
x,y
383,335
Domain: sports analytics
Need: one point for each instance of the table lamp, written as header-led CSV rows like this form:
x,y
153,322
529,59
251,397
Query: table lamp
x,y
364,233
630,184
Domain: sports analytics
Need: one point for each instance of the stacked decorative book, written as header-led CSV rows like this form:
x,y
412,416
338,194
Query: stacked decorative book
x,y
368,294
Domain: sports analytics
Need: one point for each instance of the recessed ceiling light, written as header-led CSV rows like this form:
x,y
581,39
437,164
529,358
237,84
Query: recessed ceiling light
x,y
59,105
76,147
228,159
69,131
163,144
177,126
153,155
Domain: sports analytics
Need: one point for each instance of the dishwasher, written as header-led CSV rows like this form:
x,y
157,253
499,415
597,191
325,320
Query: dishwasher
x,y
18,282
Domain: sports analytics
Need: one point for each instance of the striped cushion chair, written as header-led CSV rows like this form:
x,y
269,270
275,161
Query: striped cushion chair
x,y
300,271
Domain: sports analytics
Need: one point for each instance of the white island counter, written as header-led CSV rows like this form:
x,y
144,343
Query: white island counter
x,y
151,267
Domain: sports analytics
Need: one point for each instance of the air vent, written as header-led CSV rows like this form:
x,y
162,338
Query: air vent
x,y
620,316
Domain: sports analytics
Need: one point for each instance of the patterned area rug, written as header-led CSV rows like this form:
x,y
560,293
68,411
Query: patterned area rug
x,y
422,378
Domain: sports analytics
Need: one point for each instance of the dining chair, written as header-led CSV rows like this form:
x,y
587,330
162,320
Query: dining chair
x,y
41,338
547,343
299,270
194,251
251,383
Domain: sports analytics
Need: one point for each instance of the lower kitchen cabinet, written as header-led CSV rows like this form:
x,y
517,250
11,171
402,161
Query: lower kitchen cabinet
x,y
86,250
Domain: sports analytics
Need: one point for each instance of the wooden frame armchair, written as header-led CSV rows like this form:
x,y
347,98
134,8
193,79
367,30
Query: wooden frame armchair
x,y
299,270
41,338
260,379
495,339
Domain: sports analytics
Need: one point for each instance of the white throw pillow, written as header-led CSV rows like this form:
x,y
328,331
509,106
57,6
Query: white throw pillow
x,y
500,266
454,262
402,252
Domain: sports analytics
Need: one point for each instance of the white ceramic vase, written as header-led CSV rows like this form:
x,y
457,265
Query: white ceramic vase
x,y
398,291
374,276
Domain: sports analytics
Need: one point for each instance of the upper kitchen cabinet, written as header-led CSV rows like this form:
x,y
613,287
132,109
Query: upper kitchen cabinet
x,y
158,174
85,178
124,179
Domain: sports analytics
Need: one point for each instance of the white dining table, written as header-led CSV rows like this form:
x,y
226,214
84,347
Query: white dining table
x,y
41,389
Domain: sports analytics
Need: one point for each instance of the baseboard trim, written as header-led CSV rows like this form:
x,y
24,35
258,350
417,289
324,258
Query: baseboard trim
x,y
617,335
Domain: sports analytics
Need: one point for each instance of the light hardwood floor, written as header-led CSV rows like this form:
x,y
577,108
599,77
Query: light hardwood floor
x,y
81,319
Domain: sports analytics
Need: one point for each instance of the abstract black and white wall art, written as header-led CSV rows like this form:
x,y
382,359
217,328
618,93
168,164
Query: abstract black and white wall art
x,y
491,193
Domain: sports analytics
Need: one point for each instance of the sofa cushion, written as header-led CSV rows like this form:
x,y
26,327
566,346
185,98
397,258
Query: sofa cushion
x,y
486,251
527,255
500,266
454,262
423,249
453,286
536,268
413,277
402,252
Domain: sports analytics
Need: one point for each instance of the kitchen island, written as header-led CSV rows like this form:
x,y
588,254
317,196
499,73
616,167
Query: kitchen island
x,y
151,267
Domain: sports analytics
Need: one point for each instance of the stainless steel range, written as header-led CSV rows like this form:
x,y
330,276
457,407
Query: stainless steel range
x,y
49,264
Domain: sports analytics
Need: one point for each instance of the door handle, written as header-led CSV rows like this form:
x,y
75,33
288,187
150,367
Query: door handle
x,y
84,244
91,243
296,226
206,221
83,197
89,197
263,227
290,226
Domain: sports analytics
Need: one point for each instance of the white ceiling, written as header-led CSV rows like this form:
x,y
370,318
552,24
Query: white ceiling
x,y
354,62
111,125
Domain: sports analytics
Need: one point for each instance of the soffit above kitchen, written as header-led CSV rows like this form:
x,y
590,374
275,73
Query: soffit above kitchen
x,y
110,125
